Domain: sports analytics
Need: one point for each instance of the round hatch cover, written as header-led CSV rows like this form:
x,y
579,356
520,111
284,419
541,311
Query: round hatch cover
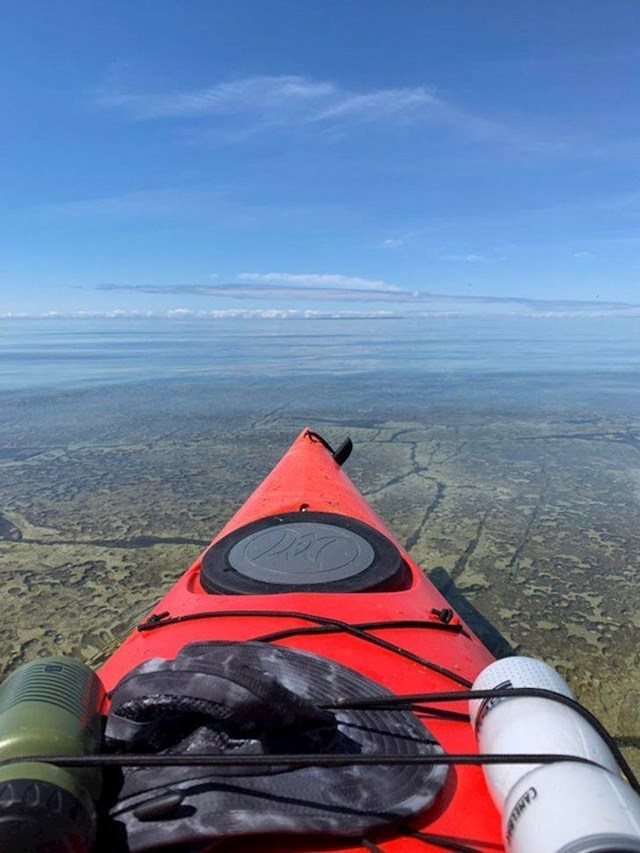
x,y
316,552
302,551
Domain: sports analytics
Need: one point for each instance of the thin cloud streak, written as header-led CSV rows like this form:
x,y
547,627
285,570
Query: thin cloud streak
x,y
264,102
262,93
216,314
469,259
274,100
324,280
385,102
416,297
391,243
315,314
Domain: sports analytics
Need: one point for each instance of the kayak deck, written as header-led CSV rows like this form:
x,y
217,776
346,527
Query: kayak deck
x,y
406,639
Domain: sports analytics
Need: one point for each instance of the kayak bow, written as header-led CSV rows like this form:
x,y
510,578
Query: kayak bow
x,y
403,636
305,687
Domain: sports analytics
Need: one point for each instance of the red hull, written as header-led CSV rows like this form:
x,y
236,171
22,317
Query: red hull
x,y
307,476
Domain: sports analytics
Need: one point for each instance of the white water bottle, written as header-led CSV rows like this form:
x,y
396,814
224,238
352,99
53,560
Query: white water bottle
x,y
576,806
571,808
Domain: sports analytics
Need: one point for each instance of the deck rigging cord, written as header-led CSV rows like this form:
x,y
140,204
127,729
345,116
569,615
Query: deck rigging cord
x,y
444,842
325,760
336,625
291,761
324,625
419,703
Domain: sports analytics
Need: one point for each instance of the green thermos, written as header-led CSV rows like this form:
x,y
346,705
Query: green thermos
x,y
49,707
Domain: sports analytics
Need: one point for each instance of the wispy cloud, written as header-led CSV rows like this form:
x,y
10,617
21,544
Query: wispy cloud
x,y
263,102
279,314
112,314
323,280
270,96
384,102
221,314
274,100
416,298
578,311
391,243
469,259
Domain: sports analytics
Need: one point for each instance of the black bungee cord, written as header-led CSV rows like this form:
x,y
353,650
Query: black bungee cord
x,y
329,625
325,625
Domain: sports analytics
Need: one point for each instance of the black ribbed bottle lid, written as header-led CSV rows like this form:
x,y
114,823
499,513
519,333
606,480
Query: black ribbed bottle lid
x,y
40,817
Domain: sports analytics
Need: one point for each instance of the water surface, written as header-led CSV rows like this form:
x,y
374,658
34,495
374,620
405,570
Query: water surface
x,y
505,454
55,353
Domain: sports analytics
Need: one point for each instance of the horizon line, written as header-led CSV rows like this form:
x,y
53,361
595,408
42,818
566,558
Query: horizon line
x,y
176,314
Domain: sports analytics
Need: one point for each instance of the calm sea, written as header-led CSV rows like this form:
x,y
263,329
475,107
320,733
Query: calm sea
x,y
503,452
80,353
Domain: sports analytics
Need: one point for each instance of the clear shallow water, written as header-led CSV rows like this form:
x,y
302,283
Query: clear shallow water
x,y
505,454
73,353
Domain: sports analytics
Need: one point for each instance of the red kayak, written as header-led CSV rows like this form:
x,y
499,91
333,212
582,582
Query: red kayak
x,y
306,565
304,687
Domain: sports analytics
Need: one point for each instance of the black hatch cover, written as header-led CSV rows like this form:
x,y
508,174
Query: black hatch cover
x,y
302,552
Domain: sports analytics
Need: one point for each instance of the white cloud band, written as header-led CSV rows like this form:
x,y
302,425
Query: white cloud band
x,y
332,280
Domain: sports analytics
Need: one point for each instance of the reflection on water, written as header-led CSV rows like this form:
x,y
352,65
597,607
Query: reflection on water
x,y
47,353
517,488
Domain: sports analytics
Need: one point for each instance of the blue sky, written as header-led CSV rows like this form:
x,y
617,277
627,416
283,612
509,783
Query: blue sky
x,y
320,155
